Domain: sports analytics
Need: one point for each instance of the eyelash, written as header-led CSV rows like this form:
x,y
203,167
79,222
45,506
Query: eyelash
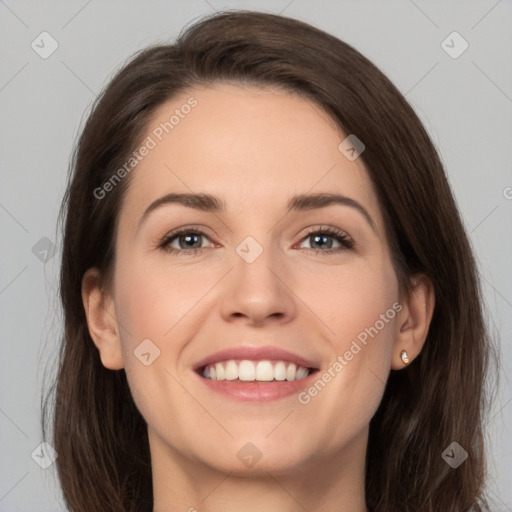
x,y
344,240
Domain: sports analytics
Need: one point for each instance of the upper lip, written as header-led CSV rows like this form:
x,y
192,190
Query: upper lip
x,y
255,354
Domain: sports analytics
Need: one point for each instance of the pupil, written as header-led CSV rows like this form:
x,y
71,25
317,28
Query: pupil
x,y
317,237
189,238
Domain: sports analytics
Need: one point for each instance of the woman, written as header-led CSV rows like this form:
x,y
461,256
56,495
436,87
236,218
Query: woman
x,y
213,359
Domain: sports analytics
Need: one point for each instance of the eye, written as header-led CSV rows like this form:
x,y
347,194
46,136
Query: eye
x,y
321,240
188,241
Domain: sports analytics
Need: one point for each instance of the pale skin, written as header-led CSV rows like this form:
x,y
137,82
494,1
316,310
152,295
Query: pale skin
x,y
253,148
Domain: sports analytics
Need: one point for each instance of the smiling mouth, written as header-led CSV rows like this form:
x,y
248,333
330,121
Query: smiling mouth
x,y
246,370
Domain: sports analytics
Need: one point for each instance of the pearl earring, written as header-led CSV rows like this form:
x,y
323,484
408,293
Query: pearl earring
x,y
405,357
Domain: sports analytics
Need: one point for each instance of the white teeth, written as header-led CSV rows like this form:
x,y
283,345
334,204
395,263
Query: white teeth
x,y
291,371
280,371
219,370
264,371
231,370
250,371
246,370
301,373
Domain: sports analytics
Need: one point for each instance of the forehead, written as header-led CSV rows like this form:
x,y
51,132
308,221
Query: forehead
x,y
253,146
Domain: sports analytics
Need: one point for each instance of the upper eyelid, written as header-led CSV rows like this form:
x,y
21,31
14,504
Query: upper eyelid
x,y
204,231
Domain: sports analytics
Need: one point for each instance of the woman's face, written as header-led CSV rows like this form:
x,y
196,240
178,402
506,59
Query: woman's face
x,y
253,287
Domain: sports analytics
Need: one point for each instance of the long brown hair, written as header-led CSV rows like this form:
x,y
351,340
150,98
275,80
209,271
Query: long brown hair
x,y
100,436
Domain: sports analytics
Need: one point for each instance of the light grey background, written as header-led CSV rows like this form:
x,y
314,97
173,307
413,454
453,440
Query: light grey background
x,y
465,103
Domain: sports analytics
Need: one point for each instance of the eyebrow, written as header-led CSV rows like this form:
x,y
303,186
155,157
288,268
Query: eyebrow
x,y
214,204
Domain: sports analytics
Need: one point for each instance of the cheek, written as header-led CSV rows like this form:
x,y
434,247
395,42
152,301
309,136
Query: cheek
x,y
352,300
361,310
365,313
156,303
149,303
150,300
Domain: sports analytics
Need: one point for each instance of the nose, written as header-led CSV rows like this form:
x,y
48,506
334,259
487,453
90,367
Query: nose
x,y
259,291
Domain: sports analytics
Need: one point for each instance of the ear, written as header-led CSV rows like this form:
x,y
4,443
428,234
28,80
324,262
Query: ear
x,y
102,320
414,320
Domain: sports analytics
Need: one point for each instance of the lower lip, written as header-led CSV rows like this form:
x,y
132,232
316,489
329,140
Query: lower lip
x,y
258,391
